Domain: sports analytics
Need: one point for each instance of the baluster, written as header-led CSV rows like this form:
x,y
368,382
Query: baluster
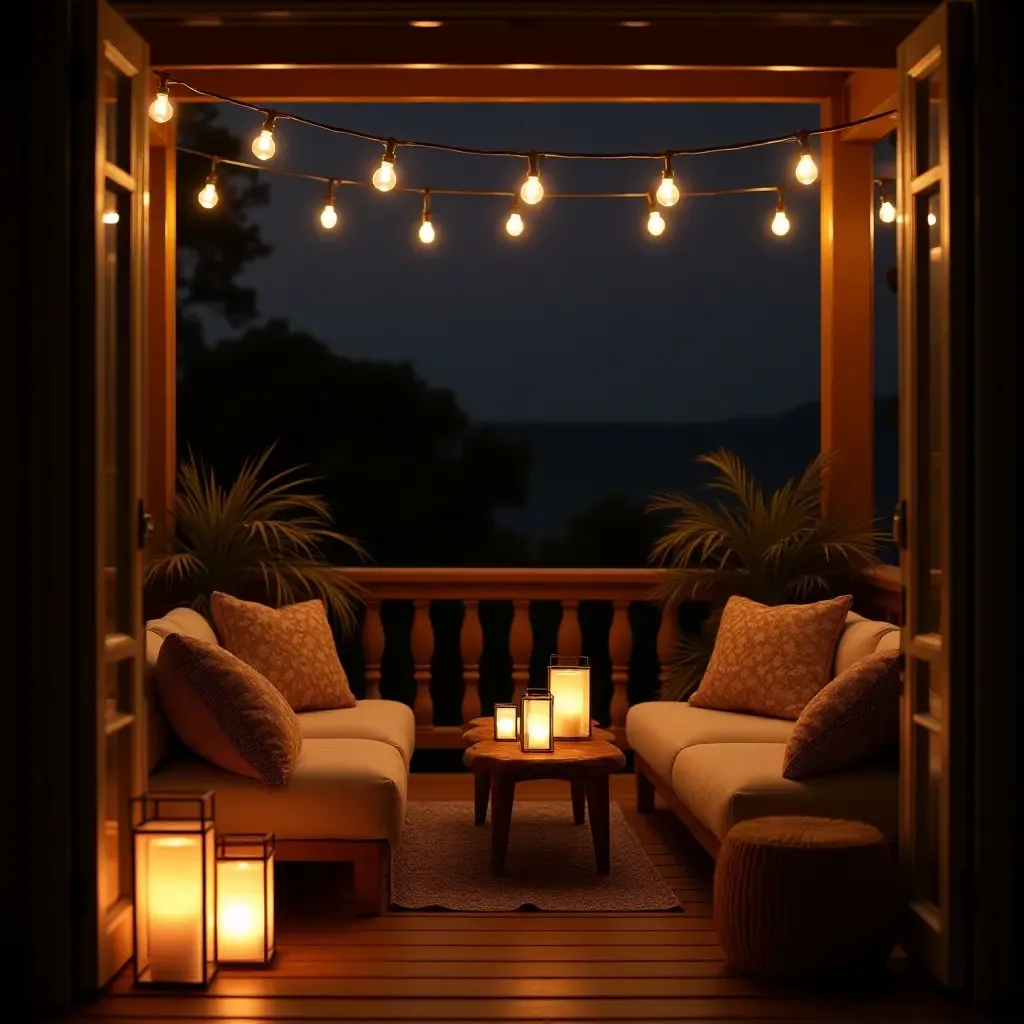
x,y
570,638
520,643
373,649
667,634
422,649
620,646
471,646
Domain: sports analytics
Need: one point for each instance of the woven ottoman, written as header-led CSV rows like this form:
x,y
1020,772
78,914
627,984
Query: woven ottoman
x,y
801,898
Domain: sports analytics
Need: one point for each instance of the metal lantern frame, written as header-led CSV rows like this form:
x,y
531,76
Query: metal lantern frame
x,y
253,847
557,661
536,696
169,815
514,708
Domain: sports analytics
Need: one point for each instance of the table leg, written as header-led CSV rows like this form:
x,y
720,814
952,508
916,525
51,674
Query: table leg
x,y
597,805
503,795
579,796
481,791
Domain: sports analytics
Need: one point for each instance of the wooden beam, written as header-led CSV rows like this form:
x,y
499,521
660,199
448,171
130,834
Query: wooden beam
x,y
869,92
494,85
735,44
161,349
847,315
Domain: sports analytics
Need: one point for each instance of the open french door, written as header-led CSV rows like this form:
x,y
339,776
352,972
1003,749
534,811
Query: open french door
x,y
110,726
935,289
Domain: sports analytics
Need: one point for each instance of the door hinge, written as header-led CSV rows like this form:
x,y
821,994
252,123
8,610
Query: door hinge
x,y
899,524
145,525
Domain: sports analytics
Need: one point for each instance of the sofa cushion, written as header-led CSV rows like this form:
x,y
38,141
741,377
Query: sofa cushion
x,y
852,719
186,621
771,660
225,711
338,789
387,721
292,646
658,730
860,638
723,783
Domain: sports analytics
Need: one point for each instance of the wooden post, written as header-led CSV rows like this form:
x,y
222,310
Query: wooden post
x,y
422,651
847,314
520,643
471,646
667,634
570,639
373,649
160,374
620,645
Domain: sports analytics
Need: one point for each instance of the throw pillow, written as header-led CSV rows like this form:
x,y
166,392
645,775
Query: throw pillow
x,y
292,646
226,711
853,718
771,660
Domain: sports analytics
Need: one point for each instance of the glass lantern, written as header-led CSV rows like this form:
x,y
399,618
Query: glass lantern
x,y
536,726
174,881
506,722
569,685
245,899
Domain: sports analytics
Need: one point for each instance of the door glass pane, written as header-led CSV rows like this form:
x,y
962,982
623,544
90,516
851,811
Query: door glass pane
x,y
928,792
929,123
117,106
115,874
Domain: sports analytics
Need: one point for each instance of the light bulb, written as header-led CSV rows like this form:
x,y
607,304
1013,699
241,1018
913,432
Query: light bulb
x,y
263,146
886,212
384,178
329,216
806,169
668,192
780,223
514,224
208,197
655,223
161,109
110,214
532,191
427,232
932,220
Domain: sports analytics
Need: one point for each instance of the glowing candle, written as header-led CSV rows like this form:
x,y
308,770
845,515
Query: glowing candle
x,y
569,683
505,720
536,723
175,901
245,899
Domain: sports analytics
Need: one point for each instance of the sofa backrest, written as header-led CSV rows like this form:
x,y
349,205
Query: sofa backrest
x,y
160,739
861,637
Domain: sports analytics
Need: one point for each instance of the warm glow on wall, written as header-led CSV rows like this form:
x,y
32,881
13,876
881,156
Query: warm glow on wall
x,y
245,899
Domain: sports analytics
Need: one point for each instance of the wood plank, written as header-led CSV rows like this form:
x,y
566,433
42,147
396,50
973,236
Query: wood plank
x,y
694,933
623,953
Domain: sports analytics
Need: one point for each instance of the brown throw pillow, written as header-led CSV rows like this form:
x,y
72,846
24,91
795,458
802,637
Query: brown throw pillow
x,y
226,711
771,660
855,717
292,646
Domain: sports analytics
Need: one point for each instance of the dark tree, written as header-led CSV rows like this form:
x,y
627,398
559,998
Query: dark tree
x,y
613,532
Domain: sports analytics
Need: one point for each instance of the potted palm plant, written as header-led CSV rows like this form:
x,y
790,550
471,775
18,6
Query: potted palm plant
x,y
265,538
786,547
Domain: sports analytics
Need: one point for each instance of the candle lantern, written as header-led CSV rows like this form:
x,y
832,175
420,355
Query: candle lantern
x,y
245,899
536,723
174,882
506,722
569,683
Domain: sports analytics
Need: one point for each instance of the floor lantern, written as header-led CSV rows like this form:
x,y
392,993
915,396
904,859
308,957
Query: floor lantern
x,y
536,728
174,884
506,722
569,683
245,899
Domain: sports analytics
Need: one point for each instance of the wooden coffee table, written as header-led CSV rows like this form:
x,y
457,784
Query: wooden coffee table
x,y
585,764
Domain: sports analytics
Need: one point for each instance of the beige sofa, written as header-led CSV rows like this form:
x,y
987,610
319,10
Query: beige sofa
x,y
715,768
345,799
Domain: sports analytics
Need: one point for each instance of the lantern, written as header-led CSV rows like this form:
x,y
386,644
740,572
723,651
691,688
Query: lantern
x,y
174,888
536,723
245,899
569,684
506,722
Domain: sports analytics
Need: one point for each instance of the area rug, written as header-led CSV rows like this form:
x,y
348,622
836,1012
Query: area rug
x,y
444,862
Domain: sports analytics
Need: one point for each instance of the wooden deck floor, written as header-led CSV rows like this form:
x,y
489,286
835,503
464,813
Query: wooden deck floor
x,y
440,967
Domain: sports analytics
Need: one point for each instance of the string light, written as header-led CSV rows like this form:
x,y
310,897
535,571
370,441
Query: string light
x,y
329,215
208,197
780,222
427,234
668,190
110,214
263,146
384,178
161,109
932,219
532,191
886,210
514,224
806,168
655,221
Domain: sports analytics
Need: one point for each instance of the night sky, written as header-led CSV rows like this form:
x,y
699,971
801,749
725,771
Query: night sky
x,y
585,317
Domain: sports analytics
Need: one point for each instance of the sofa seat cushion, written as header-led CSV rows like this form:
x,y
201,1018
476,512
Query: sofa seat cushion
x,y
658,730
387,721
338,789
723,783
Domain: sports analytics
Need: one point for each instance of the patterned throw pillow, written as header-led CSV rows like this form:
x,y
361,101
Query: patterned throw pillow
x,y
226,711
855,717
771,660
292,646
